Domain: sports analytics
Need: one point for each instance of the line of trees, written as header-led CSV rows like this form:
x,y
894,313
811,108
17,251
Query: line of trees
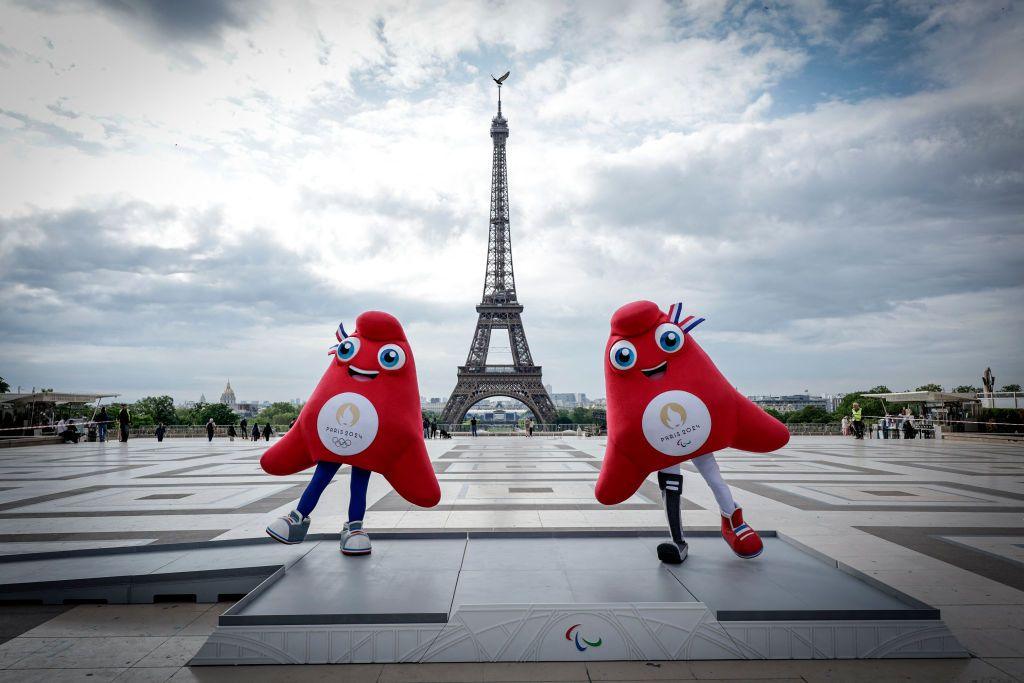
x,y
153,410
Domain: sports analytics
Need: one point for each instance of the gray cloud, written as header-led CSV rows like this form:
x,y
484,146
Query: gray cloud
x,y
200,21
79,279
52,133
654,154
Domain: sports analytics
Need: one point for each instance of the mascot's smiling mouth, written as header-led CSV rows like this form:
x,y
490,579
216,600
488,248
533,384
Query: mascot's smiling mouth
x,y
657,371
362,375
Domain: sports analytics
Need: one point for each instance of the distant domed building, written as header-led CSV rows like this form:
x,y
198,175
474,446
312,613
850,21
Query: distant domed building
x,y
228,397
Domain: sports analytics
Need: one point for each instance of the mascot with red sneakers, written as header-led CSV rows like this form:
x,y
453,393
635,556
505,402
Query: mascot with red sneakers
x,y
365,412
668,404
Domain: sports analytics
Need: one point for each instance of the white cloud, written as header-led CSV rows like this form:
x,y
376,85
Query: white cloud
x,y
647,160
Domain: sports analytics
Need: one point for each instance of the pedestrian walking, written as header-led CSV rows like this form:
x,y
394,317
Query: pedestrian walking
x,y
858,421
472,426
255,431
210,427
529,426
231,433
244,425
101,423
908,424
426,427
433,428
160,431
124,420
884,424
267,431
845,425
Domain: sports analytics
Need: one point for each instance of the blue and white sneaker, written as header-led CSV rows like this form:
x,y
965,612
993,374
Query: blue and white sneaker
x,y
354,541
289,529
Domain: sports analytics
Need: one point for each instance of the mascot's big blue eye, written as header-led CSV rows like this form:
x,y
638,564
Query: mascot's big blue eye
x,y
622,355
669,337
391,356
348,348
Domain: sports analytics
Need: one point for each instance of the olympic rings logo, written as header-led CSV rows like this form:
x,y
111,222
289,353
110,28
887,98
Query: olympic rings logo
x,y
341,442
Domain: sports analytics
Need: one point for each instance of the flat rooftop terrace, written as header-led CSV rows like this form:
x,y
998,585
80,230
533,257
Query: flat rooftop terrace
x,y
939,521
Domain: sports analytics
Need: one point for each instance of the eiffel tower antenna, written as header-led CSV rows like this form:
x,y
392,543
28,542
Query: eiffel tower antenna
x,y
499,309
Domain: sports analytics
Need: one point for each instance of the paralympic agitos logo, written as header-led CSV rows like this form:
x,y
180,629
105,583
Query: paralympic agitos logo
x,y
581,646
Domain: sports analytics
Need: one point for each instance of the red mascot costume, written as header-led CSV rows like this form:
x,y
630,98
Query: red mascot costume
x,y
667,404
365,412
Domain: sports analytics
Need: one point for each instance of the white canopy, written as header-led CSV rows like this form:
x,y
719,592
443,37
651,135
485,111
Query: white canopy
x,y
924,397
53,397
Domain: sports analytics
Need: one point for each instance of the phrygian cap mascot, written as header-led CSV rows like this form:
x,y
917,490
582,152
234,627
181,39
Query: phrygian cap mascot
x,y
365,412
668,403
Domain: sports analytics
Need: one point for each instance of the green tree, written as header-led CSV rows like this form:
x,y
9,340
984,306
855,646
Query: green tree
x,y
153,410
781,417
4,386
221,414
929,387
280,413
966,389
1006,387
185,416
811,414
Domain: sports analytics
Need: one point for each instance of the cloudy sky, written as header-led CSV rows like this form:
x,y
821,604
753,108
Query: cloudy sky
x,y
200,190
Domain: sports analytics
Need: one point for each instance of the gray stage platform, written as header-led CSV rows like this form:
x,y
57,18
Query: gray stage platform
x,y
504,596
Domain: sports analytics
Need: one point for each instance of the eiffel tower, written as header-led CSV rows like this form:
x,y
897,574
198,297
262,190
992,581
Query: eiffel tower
x,y
499,309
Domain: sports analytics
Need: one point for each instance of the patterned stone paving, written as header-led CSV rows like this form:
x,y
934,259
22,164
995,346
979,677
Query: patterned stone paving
x,y
942,521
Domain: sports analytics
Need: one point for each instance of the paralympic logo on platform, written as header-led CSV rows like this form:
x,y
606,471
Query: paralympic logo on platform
x,y
585,644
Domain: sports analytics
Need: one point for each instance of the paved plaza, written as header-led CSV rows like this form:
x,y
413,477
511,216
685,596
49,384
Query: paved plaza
x,y
939,520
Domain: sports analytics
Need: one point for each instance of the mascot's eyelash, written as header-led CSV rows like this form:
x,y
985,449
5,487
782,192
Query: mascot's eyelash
x,y
675,314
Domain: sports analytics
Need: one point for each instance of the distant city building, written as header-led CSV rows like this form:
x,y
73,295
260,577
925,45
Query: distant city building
x,y
794,402
202,398
228,397
247,408
497,415
435,404
574,400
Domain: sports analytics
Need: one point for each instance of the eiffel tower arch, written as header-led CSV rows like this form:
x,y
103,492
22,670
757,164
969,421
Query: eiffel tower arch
x,y
499,309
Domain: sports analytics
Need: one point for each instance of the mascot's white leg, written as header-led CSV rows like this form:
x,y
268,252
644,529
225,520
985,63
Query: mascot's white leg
x,y
743,540
708,468
670,481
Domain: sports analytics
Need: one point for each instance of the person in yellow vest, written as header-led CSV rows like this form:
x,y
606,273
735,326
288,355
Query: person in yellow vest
x,y
858,421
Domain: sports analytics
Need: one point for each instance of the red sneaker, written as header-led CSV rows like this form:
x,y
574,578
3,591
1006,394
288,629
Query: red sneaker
x,y
743,540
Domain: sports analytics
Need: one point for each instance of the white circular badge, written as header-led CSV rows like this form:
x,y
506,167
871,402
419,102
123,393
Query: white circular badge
x,y
347,424
676,423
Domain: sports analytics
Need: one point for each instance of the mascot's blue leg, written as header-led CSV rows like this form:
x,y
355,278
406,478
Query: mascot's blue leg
x,y
292,527
325,471
355,541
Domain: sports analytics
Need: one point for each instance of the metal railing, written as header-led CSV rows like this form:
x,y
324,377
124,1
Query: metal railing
x,y
491,429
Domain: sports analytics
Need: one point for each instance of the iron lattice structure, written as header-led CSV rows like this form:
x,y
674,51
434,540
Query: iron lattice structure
x,y
499,309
